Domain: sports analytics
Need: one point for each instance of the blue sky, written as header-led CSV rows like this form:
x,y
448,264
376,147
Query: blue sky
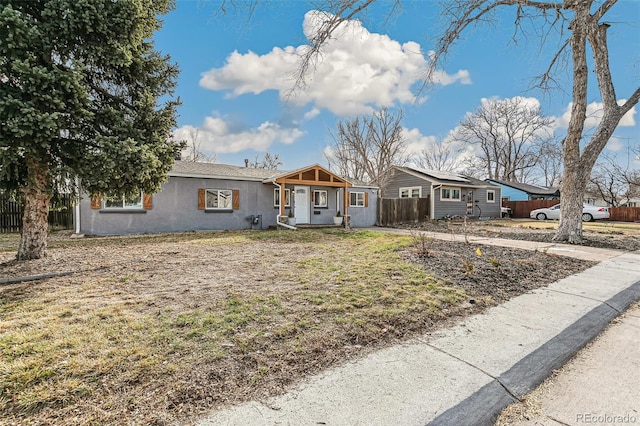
x,y
235,74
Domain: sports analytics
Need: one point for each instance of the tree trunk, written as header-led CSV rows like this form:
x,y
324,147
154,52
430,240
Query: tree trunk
x,y
35,223
573,182
570,227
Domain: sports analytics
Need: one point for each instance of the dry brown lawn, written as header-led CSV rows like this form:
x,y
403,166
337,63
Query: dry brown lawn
x,y
159,329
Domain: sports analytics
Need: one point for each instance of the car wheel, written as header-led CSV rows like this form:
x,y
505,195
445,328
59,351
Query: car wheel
x,y
586,217
541,216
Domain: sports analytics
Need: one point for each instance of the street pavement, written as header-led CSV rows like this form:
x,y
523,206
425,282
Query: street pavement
x,y
468,373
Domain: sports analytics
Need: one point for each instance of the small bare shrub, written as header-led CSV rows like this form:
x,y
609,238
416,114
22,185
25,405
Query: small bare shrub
x,y
422,243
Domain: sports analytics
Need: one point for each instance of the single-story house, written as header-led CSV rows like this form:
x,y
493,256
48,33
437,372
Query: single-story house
x,y
208,196
516,191
451,194
632,202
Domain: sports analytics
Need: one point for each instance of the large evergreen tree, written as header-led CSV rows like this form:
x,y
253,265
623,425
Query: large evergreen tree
x,y
80,84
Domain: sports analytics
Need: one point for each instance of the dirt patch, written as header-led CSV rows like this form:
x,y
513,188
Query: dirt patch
x,y
164,328
491,272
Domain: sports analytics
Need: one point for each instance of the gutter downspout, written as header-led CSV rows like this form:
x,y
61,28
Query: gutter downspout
x,y
433,200
278,223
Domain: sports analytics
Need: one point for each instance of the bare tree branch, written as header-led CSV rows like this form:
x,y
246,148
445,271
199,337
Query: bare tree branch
x,y
365,148
441,156
192,149
613,183
508,133
268,161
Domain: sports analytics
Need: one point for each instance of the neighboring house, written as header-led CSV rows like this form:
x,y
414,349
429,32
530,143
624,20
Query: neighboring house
x,y
595,200
207,196
633,202
515,191
451,194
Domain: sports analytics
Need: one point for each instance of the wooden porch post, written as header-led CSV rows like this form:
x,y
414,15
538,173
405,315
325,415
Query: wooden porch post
x,y
345,202
282,197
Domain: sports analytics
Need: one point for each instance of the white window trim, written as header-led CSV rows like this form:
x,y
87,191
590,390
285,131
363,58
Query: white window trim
x,y
139,206
286,191
206,198
491,191
409,190
316,192
356,193
451,188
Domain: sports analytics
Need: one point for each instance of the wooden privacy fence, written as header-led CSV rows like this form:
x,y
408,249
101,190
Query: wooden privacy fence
x,y
520,209
624,214
60,214
396,211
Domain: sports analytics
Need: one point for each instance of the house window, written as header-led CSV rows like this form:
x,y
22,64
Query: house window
x,y
491,196
356,199
276,197
449,194
218,199
320,198
124,202
411,192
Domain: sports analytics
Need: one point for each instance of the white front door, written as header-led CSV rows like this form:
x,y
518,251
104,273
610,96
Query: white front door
x,y
301,204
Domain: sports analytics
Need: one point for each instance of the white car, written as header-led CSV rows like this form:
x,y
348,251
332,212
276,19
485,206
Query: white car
x,y
589,213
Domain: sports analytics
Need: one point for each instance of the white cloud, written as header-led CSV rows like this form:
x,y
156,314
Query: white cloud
x,y
311,114
416,141
328,152
532,103
357,72
459,151
615,144
594,116
445,79
215,136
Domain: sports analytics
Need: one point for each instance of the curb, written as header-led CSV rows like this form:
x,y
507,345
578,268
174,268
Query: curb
x,y
486,404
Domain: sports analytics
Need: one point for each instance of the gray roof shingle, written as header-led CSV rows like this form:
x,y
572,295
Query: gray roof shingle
x,y
447,178
227,171
220,171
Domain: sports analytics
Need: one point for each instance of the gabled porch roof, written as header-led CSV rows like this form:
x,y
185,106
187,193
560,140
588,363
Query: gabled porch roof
x,y
315,175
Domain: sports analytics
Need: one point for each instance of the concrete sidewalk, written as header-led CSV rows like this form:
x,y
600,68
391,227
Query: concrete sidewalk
x,y
579,252
466,374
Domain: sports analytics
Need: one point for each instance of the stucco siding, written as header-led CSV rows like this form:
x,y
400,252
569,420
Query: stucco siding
x,y
175,209
324,215
364,216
